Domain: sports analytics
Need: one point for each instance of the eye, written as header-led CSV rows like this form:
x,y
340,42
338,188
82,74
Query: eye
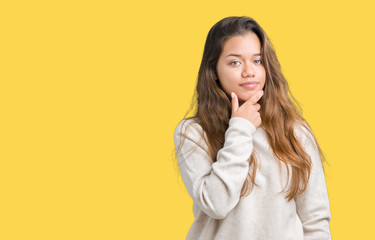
x,y
236,63
258,61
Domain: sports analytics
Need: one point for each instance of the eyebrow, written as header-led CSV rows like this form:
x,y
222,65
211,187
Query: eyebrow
x,y
239,55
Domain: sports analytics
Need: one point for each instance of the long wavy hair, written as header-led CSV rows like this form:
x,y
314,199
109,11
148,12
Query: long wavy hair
x,y
280,111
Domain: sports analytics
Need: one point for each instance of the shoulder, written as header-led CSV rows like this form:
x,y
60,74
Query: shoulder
x,y
304,133
188,127
308,141
188,136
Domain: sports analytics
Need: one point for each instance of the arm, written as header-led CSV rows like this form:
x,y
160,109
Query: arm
x,y
215,187
313,205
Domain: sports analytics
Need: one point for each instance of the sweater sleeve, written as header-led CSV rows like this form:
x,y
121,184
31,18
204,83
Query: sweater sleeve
x,y
215,187
313,205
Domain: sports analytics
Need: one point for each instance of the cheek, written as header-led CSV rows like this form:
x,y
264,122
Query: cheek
x,y
230,76
225,77
262,75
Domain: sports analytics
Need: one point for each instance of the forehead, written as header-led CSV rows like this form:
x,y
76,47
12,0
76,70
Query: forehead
x,y
242,44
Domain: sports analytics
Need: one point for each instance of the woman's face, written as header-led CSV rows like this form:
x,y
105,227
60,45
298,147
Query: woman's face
x,y
240,68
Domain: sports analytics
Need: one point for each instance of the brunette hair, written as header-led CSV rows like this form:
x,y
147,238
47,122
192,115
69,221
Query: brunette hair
x,y
280,112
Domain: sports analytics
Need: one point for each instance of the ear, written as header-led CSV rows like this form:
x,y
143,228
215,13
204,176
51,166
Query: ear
x,y
215,75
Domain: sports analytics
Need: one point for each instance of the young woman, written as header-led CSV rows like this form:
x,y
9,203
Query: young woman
x,y
248,159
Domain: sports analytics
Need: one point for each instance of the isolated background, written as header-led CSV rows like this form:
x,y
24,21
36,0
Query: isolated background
x,y
91,92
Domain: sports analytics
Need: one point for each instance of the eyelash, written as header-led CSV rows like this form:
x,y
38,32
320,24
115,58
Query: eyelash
x,y
234,62
256,61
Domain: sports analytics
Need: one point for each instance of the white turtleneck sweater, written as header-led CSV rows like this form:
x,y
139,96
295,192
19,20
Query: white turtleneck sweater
x,y
220,213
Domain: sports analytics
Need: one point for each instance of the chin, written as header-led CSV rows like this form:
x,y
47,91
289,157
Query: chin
x,y
244,97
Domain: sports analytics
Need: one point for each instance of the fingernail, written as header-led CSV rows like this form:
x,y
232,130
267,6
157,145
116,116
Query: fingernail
x,y
232,94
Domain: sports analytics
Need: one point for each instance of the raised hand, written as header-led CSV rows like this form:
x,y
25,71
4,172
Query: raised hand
x,y
249,109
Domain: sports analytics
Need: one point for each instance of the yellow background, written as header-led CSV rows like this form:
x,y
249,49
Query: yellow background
x,y
91,92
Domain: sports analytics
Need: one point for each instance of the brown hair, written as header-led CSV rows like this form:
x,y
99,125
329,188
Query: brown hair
x,y
280,112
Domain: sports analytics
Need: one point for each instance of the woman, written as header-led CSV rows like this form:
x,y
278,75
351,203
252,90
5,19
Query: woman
x,y
247,157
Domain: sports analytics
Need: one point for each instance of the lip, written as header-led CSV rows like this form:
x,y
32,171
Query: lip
x,y
249,84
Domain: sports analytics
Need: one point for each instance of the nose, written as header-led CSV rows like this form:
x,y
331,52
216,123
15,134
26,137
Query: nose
x,y
248,70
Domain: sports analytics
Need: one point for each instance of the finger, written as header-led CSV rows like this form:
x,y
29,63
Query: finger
x,y
234,103
255,98
257,107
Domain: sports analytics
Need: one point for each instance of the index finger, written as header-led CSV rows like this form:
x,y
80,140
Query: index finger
x,y
255,98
